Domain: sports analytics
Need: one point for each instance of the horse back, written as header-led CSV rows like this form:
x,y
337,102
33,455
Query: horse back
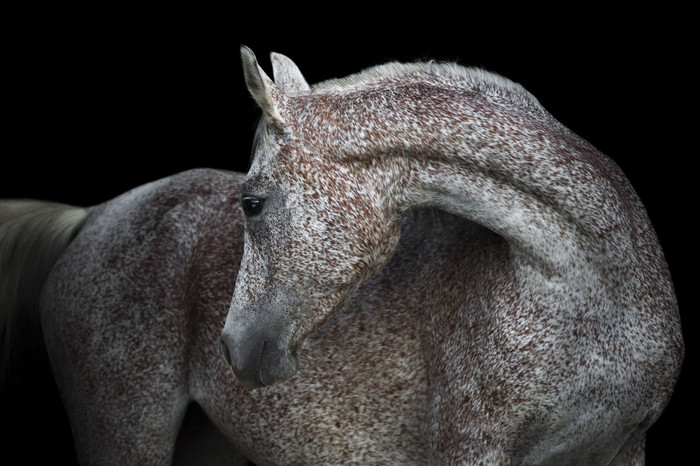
x,y
136,262
121,308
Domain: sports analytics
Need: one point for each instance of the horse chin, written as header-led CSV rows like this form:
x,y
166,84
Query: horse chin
x,y
274,368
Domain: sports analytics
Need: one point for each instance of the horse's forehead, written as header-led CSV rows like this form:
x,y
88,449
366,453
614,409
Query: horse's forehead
x,y
270,173
282,156
319,130
266,154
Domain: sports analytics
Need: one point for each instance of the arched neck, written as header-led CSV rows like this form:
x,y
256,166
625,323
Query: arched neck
x,y
494,159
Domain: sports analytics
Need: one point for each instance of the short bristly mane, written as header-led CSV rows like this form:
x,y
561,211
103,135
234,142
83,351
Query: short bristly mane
x,y
463,76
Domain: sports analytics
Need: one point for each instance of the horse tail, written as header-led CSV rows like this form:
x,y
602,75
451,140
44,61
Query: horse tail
x,y
33,235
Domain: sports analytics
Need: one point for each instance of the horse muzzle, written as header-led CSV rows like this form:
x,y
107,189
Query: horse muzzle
x,y
259,361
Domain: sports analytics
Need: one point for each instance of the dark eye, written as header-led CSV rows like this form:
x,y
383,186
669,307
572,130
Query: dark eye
x,y
252,205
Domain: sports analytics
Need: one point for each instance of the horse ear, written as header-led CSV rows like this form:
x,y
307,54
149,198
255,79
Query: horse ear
x,y
265,93
287,75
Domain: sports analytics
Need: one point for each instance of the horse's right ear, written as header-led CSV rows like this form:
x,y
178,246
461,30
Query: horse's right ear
x,y
265,93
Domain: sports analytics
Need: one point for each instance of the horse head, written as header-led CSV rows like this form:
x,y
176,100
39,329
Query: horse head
x,y
315,230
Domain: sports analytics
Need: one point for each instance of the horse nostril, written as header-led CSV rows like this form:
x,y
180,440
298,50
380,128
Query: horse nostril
x,y
227,354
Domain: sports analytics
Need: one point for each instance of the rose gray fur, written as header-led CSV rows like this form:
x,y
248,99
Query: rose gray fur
x,y
441,273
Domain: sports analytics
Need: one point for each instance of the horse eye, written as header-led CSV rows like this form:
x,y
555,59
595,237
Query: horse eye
x,y
252,205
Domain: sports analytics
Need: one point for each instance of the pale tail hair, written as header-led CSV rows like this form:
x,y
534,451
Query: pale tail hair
x,y
33,235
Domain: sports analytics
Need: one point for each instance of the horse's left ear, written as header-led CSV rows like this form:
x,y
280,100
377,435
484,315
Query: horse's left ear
x,y
266,94
287,75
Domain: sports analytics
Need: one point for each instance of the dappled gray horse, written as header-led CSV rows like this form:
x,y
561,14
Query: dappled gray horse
x,y
455,276
525,289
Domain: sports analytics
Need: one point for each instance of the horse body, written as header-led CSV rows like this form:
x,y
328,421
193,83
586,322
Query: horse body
x,y
118,314
456,277
132,314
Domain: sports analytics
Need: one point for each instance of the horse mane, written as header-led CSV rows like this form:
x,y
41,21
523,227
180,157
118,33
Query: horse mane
x,y
448,73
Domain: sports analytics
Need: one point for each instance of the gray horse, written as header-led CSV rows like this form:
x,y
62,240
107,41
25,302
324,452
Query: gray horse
x,y
455,276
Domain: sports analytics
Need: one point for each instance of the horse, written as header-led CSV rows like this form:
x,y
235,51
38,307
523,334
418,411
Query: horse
x,y
505,262
420,267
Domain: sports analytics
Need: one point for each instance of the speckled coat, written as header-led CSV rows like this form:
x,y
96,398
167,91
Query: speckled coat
x,y
432,271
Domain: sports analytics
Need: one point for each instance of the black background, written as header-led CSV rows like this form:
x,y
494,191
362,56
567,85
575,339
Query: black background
x,y
98,101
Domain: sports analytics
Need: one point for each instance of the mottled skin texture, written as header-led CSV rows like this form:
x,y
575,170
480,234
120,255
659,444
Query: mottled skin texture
x,y
457,279
133,313
549,332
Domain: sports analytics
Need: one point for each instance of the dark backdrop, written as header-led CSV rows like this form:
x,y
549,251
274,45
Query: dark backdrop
x,y
98,101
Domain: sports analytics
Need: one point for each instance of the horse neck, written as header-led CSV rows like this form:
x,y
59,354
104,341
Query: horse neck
x,y
497,159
